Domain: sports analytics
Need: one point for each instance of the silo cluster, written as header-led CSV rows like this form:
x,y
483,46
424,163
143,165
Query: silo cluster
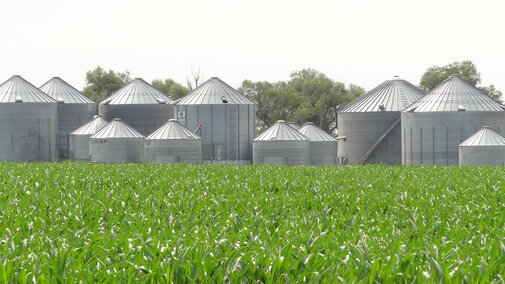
x,y
485,147
74,109
140,105
371,124
435,125
223,118
281,144
28,123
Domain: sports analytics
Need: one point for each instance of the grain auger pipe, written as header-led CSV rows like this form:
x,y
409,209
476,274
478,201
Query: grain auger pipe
x,y
341,138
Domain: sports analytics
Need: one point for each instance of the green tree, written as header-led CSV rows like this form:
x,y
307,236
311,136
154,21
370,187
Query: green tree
x,y
173,89
492,92
100,83
436,74
466,69
308,96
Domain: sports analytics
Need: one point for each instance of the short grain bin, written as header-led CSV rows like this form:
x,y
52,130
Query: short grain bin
x,y
79,138
485,147
74,109
117,142
173,143
434,126
323,147
28,123
223,118
372,125
139,104
281,144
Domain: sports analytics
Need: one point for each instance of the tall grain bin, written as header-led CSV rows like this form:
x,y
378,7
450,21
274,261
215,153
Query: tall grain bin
x,y
117,142
372,124
28,123
173,143
434,126
225,120
486,147
323,147
281,144
140,105
74,109
79,138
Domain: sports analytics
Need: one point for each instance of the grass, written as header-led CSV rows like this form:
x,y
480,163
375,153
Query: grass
x,y
66,222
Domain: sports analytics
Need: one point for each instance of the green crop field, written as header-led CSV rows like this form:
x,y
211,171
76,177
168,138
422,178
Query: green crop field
x,y
67,222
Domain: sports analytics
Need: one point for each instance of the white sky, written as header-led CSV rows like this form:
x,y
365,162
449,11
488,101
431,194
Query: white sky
x,y
363,42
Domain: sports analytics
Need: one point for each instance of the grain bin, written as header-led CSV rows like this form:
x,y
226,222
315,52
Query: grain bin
x,y
485,147
434,126
117,142
79,138
74,109
372,124
140,105
281,144
225,121
173,143
28,123
323,147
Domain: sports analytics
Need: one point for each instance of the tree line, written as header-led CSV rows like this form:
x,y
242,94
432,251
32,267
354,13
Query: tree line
x,y
308,95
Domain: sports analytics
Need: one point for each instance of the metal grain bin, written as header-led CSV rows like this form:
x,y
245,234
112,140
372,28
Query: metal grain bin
x,y
79,138
433,127
173,143
281,144
371,124
28,123
323,147
223,118
117,142
74,109
485,147
140,105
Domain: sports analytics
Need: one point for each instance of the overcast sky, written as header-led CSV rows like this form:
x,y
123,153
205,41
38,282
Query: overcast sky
x,y
360,42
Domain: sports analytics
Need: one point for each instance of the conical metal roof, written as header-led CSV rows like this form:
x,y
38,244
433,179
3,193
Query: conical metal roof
x,y
137,91
91,127
294,125
281,131
117,129
314,133
17,89
484,137
455,94
172,129
391,95
62,91
214,91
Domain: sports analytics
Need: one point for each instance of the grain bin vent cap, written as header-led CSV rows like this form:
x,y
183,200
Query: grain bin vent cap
x,y
281,131
117,129
17,89
391,95
172,129
63,92
314,133
455,94
214,91
484,137
137,91
91,127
